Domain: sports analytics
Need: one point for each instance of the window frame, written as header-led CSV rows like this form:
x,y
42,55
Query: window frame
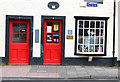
x,y
76,35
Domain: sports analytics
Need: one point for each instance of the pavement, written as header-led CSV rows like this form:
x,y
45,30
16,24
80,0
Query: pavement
x,y
58,72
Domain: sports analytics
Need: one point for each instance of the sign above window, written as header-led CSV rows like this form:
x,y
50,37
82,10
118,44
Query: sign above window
x,y
97,1
91,4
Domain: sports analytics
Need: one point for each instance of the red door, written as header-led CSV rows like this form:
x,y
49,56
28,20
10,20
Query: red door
x,y
52,42
19,42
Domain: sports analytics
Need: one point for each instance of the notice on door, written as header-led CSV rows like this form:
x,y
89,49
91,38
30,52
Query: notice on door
x,y
49,29
56,27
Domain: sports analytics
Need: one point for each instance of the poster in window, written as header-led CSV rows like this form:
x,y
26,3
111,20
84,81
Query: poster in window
x,y
56,28
49,38
49,29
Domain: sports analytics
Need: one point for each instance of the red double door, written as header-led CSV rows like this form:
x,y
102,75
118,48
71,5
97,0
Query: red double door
x,y
52,42
19,42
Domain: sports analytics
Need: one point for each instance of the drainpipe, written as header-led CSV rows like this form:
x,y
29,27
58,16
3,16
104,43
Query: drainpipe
x,y
114,33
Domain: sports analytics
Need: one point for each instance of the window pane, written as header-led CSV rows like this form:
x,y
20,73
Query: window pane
x,y
85,48
86,24
101,40
80,40
102,24
97,40
80,32
15,38
96,48
86,32
49,23
102,33
86,39
15,27
80,48
101,48
92,32
80,24
23,28
91,48
22,38
92,40
97,32
92,24
97,24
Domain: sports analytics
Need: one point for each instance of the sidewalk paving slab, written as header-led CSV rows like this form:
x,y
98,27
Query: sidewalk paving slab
x,y
59,72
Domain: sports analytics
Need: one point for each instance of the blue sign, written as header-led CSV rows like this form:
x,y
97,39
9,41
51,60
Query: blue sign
x,y
69,32
92,4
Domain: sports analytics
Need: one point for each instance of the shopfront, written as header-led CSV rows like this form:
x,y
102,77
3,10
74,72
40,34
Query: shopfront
x,y
57,32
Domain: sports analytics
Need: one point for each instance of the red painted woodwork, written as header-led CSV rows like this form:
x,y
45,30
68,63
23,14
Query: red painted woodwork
x,y
52,50
19,42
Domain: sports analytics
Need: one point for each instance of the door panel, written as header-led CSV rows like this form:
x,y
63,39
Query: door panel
x,y
52,42
19,42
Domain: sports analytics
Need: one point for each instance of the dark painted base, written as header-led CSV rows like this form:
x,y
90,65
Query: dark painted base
x,y
76,61
85,62
119,62
36,61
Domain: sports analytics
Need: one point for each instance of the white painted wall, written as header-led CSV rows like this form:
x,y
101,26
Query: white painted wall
x,y
118,28
68,8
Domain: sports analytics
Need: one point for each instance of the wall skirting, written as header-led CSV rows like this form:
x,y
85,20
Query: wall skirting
x,y
75,61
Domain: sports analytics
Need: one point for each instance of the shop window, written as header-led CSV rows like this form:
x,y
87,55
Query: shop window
x,y
90,37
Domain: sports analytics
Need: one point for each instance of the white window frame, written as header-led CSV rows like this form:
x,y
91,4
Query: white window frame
x,y
104,38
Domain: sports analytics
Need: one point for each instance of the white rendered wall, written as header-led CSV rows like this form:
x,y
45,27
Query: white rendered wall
x,y
118,27
68,8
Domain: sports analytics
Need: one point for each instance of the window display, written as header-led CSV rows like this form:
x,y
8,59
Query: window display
x,y
91,36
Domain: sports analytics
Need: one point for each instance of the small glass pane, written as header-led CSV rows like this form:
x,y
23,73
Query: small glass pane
x,y
80,40
49,38
97,40
92,33
55,38
86,32
80,32
86,24
92,24
23,28
49,23
96,48
101,48
97,32
102,24
80,24
97,24
15,38
80,48
101,40
86,39
56,27
91,48
85,48
102,33
15,27
22,38
92,40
